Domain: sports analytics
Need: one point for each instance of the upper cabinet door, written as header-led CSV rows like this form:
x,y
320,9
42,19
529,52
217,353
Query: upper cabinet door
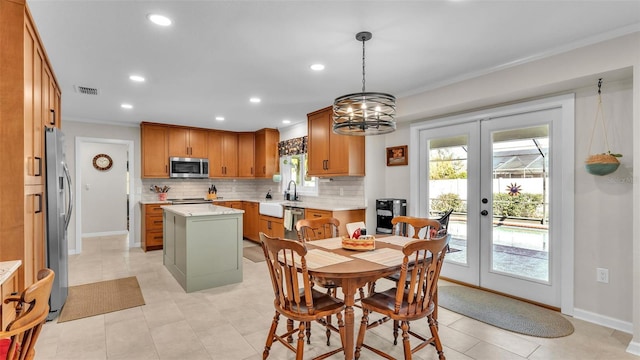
x,y
266,160
198,143
155,151
319,132
246,155
223,154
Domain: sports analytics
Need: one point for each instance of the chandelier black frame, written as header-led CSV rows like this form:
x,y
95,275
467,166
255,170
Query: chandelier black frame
x,y
364,113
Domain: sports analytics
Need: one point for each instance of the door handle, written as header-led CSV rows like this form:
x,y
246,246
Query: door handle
x,y
484,213
485,200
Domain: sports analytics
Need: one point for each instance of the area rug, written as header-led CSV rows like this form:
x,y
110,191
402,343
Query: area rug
x,y
101,298
253,253
503,312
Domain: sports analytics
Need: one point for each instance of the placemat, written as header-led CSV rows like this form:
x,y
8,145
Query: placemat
x,y
331,243
384,256
317,258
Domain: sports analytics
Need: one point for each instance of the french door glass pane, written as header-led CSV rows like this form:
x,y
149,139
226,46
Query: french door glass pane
x,y
520,239
448,189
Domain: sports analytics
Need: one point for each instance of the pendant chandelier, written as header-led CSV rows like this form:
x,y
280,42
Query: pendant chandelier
x,y
364,113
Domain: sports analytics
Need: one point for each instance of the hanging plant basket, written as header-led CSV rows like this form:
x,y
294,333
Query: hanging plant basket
x,y
602,164
605,163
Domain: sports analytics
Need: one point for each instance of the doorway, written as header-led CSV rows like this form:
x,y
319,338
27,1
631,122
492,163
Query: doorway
x,y
92,211
504,173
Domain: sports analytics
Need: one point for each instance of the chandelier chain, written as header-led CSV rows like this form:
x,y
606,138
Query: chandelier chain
x,y
363,40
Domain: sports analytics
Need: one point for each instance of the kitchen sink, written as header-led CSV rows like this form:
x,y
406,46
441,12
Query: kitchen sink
x,y
271,208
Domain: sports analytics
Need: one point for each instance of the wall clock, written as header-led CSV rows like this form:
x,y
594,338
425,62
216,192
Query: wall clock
x,y
102,162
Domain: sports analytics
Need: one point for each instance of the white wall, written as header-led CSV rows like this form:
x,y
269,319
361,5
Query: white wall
x,y
604,228
104,192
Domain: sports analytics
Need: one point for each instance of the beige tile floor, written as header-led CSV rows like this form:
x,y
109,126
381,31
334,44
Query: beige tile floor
x,y
231,322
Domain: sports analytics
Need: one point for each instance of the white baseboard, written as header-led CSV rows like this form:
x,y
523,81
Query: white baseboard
x,y
607,321
634,348
106,233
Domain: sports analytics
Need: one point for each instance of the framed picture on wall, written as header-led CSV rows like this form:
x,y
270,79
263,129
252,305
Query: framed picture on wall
x,y
397,155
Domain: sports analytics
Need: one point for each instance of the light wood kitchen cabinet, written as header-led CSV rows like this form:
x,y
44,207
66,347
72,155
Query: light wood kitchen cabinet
x,y
251,220
9,288
155,150
332,154
344,216
50,100
230,204
223,154
266,160
187,142
152,226
246,155
271,226
23,62
34,223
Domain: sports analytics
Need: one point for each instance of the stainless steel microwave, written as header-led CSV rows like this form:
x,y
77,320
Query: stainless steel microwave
x,y
193,168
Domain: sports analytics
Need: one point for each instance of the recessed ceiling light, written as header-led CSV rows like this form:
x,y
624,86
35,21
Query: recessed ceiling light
x,y
317,67
219,118
255,100
136,78
159,19
126,106
286,121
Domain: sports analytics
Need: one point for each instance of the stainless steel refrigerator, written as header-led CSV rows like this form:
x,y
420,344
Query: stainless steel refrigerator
x,y
59,207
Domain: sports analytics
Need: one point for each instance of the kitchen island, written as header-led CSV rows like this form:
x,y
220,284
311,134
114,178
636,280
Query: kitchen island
x,y
202,246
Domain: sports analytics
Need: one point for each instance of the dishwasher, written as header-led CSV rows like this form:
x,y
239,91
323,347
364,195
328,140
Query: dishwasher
x,y
290,228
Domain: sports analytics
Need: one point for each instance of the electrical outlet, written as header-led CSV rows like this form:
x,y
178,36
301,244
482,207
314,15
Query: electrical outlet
x,y
602,275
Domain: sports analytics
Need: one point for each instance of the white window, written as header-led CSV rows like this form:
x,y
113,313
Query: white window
x,y
294,167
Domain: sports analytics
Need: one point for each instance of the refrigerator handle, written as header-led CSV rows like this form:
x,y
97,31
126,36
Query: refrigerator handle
x,y
70,207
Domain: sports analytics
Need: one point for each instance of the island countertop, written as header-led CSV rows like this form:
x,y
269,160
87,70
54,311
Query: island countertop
x,y
7,268
201,210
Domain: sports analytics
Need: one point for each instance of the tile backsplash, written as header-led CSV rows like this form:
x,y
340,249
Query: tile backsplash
x,y
345,190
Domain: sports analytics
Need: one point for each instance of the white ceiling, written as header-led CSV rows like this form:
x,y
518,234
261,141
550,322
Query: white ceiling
x,y
218,54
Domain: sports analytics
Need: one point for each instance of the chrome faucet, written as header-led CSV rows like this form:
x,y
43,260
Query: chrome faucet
x,y
295,193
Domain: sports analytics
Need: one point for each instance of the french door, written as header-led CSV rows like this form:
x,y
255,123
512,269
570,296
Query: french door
x,y
501,173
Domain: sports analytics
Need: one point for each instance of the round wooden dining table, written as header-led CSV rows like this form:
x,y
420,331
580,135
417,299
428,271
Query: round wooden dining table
x,y
351,276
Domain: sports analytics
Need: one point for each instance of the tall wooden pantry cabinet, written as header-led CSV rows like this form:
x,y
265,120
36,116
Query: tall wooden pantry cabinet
x,y
29,102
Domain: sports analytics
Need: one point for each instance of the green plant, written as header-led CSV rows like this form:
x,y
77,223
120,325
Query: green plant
x,y
448,201
522,205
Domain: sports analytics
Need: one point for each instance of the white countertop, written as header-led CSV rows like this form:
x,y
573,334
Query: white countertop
x,y
201,210
307,204
7,268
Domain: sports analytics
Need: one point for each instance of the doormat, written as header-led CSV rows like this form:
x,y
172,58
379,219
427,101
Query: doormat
x,y
253,253
504,312
101,298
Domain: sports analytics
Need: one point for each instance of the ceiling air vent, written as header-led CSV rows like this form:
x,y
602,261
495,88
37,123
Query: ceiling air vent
x,y
86,90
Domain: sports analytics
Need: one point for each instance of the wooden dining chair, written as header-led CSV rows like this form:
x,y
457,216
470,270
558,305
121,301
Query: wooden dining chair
x,y
406,225
18,340
317,229
295,297
421,269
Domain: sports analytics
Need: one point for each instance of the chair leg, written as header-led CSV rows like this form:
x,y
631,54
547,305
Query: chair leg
x,y
341,329
433,326
289,328
361,331
308,325
396,325
270,337
328,330
300,348
405,340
